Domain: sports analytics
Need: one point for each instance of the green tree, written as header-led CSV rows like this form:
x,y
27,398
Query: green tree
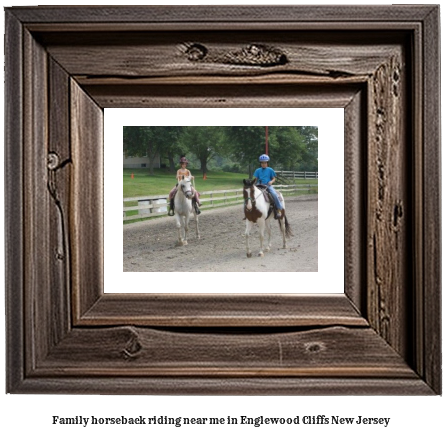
x,y
245,144
286,146
204,142
310,156
168,139
152,141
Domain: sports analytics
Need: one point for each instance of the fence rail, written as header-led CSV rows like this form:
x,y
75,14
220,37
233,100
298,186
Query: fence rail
x,y
157,205
292,174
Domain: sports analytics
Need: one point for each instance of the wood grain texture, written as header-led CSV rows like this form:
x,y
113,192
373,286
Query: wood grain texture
x,y
129,351
169,54
388,265
75,61
431,316
228,96
14,238
355,186
239,310
37,306
59,167
86,200
288,386
225,14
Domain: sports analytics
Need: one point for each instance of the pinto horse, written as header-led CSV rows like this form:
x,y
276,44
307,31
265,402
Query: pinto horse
x,y
183,209
256,208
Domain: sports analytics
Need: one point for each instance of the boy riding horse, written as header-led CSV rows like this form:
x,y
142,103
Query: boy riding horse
x,y
266,175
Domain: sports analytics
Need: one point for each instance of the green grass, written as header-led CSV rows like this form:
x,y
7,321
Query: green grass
x,y
162,181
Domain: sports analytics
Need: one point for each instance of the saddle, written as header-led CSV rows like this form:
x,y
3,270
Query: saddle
x,y
268,197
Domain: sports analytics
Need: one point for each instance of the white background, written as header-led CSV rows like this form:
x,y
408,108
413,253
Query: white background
x,y
330,122
31,415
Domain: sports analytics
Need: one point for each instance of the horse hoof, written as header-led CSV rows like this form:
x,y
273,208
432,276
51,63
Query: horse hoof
x,y
249,255
260,254
185,242
268,249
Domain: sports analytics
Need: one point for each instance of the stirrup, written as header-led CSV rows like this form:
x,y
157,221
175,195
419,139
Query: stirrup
x,y
171,212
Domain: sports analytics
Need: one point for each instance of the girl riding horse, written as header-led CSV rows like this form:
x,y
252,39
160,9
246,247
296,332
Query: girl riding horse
x,y
183,172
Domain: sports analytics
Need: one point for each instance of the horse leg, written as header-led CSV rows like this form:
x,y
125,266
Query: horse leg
x,y
178,223
197,231
247,232
261,224
186,228
268,230
281,222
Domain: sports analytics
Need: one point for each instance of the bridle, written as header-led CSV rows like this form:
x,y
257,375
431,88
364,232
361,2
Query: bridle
x,y
185,192
250,198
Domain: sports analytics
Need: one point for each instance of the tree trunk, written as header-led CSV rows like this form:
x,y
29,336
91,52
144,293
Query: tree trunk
x,y
171,162
204,165
151,156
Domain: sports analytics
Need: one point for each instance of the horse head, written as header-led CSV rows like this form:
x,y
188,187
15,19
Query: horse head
x,y
249,193
186,187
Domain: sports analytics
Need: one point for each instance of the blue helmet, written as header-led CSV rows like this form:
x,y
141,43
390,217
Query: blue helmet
x,y
263,157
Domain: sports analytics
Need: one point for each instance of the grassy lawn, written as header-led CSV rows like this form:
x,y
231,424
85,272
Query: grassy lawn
x,y
162,181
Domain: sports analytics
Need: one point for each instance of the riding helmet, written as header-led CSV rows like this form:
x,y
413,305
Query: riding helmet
x,y
263,157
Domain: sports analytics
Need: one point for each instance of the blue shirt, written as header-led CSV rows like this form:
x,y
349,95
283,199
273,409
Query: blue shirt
x,y
264,175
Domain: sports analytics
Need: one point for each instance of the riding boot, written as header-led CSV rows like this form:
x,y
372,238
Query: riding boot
x,y
171,208
197,210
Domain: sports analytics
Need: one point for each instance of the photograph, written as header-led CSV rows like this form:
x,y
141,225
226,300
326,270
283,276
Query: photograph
x,y
208,198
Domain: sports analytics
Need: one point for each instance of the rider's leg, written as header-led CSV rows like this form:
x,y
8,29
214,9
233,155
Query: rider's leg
x,y
171,201
194,203
196,200
277,202
196,196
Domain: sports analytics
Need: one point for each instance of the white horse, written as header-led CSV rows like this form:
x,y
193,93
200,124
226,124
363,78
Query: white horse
x,y
256,209
183,209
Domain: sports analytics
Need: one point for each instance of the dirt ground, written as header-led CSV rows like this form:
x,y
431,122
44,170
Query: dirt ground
x,y
150,246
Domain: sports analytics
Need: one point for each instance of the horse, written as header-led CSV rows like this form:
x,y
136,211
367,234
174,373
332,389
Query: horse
x,y
257,210
183,208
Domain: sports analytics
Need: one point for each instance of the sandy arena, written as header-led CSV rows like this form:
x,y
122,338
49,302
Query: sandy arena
x,y
150,246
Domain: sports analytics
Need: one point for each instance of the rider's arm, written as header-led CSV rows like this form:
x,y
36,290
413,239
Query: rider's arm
x,y
271,182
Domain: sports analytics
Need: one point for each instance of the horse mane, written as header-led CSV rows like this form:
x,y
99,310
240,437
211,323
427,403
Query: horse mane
x,y
249,182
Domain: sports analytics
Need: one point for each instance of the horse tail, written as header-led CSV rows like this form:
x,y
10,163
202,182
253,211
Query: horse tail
x,y
288,229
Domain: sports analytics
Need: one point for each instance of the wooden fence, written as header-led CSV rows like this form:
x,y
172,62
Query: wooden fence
x,y
289,174
157,205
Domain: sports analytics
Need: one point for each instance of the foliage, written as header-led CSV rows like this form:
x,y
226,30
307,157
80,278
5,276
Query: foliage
x,y
231,148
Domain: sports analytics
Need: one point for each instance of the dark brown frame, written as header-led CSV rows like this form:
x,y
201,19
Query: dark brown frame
x,y
64,65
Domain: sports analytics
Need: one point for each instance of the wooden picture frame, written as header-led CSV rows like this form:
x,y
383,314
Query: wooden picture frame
x,y
65,64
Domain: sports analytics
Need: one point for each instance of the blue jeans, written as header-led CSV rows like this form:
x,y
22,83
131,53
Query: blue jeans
x,y
277,202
